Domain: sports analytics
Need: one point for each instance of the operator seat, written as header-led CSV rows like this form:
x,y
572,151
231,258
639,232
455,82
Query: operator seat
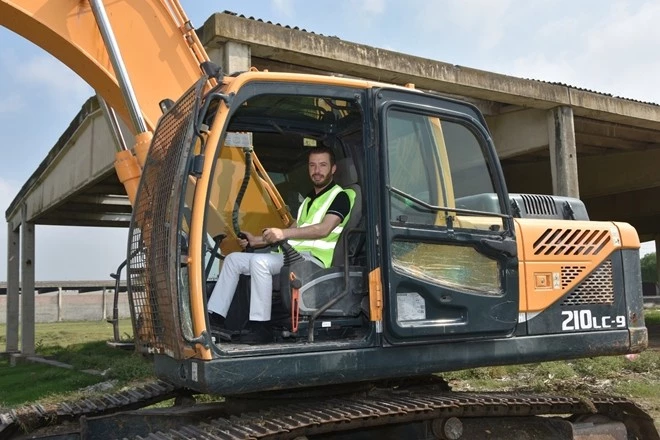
x,y
346,176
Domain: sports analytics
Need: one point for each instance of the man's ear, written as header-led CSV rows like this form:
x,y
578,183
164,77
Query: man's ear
x,y
334,169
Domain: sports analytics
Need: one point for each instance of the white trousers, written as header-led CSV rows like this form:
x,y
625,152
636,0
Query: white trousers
x,y
261,267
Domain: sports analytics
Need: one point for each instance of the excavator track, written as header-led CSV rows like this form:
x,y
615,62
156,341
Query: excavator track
x,y
32,417
350,414
381,414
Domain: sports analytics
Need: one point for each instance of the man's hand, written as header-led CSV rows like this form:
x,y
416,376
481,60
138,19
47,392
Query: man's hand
x,y
273,235
250,240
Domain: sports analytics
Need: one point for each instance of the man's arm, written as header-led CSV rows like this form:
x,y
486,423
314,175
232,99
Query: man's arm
x,y
311,232
337,211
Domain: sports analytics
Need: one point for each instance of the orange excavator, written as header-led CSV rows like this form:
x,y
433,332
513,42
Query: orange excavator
x,y
439,268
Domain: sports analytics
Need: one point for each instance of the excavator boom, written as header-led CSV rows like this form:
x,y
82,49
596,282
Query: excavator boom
x,y
158,46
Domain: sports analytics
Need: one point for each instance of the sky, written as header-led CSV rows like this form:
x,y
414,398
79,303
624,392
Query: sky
x,y
606,46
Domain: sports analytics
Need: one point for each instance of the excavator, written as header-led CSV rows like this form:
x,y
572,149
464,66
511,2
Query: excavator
x,y
439,268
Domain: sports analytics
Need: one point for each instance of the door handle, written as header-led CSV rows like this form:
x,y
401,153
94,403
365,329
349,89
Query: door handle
x,y
506,246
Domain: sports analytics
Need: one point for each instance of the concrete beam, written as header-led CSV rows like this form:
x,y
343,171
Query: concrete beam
x,y
563,154
615,131
586,141
231,56
73,218
599,175
13,297
84,158
609,207
617,173
517,133
27,289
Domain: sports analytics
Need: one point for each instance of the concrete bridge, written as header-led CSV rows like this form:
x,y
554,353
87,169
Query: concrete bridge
x,y
551,138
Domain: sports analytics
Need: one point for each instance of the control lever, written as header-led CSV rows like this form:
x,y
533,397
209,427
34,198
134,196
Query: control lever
x,y
248,248
289,253
214,253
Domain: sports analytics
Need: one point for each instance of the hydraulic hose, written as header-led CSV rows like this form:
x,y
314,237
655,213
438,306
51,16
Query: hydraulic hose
x,y
239,197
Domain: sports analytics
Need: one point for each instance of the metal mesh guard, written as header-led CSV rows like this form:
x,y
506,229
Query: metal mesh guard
x,y
597,288
152,261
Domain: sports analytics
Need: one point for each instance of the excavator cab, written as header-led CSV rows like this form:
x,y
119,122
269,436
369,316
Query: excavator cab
x,y
436,265
427,156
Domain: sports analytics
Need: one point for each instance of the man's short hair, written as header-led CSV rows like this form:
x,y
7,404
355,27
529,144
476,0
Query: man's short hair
x,y
323,149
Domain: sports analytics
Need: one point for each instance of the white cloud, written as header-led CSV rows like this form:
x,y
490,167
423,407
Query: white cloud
x,y
47,74
484,20
12,103
606,49
538,66
371,6
284,7
647,248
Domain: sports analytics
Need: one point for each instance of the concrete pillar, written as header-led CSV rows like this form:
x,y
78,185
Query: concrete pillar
x,y
231,56
13,297
657,264
563,154
59,303
27,288
104,314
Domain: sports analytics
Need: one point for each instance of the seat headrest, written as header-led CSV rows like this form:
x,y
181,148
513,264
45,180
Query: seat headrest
x,y
346,173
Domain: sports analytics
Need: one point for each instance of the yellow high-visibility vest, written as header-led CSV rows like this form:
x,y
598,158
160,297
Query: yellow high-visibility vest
x,y
321,248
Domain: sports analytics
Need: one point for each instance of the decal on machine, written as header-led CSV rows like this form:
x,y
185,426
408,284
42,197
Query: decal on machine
x,y
584,320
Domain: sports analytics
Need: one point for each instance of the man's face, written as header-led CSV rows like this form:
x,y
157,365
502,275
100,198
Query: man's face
x,y
320,169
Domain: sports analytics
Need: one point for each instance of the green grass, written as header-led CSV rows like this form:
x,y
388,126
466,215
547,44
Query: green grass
x,y
73,332
31,382
637,380
652,316
79,344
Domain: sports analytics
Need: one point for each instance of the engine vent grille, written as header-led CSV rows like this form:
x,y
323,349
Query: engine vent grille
x,y
569,273
538,204
597,288
571,242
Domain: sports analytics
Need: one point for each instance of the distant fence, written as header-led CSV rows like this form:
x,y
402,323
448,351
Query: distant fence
x,y
70,285
72,301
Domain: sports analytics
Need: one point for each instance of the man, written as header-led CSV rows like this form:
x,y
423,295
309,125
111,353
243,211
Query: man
x,y
315,233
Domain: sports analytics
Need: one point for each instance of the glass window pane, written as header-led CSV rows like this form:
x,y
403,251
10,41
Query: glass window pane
x,y
441,163
456,267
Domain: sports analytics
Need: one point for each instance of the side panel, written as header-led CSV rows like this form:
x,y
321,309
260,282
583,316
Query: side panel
x,y
246,374
579,276
157,57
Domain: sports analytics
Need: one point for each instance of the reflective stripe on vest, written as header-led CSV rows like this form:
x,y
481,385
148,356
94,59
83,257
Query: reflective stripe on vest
x,y
322,248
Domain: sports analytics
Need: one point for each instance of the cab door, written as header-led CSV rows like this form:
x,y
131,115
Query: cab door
x,y
447,247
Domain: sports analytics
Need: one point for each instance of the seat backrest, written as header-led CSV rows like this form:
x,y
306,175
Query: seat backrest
x,y
346,176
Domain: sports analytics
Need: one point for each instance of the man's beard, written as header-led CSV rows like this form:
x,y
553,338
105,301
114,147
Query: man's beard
x,y
322,184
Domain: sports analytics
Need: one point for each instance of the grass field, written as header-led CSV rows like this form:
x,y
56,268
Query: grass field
x,y
79,344
652,316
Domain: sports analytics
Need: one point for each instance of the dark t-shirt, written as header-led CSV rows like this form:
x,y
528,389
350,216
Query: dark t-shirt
x,y
340,206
